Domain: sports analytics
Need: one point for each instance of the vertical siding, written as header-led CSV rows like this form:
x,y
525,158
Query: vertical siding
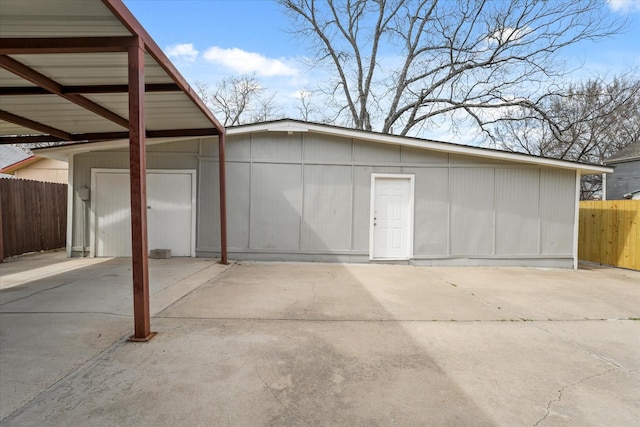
x,y
327,207
238,204
276,207
431,214
310,193
113,216
557,211
379,153
278,146
517,211
472,211
208,207
319,148
417,155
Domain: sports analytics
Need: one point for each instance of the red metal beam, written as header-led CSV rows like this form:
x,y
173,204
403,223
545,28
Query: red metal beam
x,y
98,136
37,126
223,198
138,171
16,46
54,87
69,90
125,16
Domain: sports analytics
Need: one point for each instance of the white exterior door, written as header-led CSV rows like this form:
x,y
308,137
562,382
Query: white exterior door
x,y
391,216
170,212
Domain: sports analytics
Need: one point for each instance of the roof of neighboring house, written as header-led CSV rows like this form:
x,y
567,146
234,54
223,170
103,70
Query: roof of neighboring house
x,y
289,125
10,155
630,152
20,164
630,194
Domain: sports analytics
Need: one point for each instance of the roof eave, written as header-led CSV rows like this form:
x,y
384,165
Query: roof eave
x,y
20,164
289,125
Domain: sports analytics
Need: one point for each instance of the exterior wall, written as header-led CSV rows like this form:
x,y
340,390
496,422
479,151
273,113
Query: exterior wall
x,y
46,170
306,196
175,155
624,179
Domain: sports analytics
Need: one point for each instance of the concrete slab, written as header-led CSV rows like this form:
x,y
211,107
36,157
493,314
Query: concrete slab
x,y
325,344
59,313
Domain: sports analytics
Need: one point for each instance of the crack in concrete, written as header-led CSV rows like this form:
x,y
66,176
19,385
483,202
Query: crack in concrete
x,y
562,390
275,396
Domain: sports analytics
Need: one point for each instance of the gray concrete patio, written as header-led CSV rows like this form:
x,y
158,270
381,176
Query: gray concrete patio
x,y
318,344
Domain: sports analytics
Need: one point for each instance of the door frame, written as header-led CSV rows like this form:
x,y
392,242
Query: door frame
x,y
92,213
410,208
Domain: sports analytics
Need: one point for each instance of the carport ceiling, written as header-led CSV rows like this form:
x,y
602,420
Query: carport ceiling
x,y
64,75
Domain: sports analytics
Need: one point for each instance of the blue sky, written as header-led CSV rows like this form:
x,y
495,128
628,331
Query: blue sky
x,y
212,39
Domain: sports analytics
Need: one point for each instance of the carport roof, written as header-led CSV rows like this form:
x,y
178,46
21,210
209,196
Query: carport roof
x,y
64,75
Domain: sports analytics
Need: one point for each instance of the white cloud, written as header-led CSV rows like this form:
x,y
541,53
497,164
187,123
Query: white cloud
x,y
300,94
624,5
508,33
182,52
249,62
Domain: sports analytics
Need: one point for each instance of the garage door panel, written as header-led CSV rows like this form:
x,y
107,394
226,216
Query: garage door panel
x,y
169,212
169,220
113,213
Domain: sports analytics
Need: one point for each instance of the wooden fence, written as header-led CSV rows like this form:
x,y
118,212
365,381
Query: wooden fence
x,y
33,216
610,232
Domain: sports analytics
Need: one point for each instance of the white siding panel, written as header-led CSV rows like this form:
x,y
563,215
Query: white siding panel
x,y
276,201
417,155
431,216
517,224
327,207
372,152
237,147
326,148
276,146
472,211
557,202
238,204
208,219
113,215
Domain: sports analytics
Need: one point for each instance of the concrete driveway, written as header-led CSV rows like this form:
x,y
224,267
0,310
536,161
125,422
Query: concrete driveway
x,y
278,344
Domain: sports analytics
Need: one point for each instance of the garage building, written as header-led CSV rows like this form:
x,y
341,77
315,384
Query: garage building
x,y
299,191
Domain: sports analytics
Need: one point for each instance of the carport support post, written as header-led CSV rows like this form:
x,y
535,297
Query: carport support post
x,y
138,176
223,198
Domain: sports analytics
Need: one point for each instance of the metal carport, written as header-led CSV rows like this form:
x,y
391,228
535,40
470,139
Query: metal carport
x,y
86,70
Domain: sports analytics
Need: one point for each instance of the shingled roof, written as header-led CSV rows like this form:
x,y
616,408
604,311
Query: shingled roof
x,y
630,152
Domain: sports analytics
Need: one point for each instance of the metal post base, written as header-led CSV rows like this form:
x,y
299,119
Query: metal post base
x,y
133,338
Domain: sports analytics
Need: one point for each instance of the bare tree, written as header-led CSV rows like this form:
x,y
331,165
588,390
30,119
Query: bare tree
x,y
587,122
404,64
239,100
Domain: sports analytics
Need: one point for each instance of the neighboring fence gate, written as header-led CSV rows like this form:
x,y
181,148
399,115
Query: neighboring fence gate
x,y
610,232
33,216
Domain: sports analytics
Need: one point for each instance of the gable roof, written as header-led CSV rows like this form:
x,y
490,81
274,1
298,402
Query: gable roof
x,y
64,75
630,152
9,169
293,126
10,155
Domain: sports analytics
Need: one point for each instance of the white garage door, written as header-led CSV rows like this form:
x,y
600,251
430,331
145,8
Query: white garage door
x,y
170,212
